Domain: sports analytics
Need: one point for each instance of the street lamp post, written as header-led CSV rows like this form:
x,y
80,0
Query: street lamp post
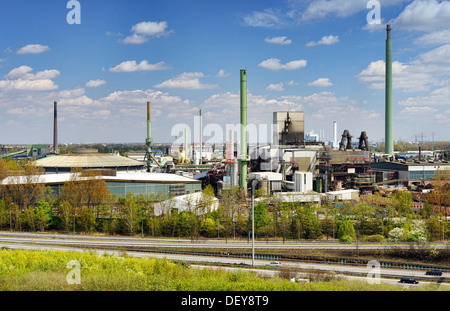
x,y
254,183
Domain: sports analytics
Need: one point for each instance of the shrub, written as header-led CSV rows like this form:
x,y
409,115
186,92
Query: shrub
x,y
375,238
346,239
395,235
321,276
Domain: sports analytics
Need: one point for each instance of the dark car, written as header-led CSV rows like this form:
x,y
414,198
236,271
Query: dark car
x,y
434,272
408,279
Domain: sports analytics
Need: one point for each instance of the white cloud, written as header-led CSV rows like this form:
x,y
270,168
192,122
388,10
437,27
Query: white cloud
x,y
435,37
24,72
321,82
33,49
28,85
95,83
276,87
283,40
439,97
186,80
131,66
424,15
404,77
275,64
22,79
142,32
222,74
427,70
319,9
269,18
325,40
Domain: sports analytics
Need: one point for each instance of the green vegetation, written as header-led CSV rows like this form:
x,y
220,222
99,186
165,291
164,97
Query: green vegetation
x,y
25,270
84,205
47,270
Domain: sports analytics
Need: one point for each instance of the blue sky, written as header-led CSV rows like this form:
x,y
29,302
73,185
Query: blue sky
x,y
317,56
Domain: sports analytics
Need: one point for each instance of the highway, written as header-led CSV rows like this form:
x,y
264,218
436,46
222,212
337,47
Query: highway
x,y
116,246
113,241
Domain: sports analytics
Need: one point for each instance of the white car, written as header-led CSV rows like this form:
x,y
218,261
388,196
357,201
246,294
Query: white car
x,y
274,264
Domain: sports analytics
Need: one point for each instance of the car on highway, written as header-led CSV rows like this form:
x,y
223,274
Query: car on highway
x,y
408,279
274,264
434,272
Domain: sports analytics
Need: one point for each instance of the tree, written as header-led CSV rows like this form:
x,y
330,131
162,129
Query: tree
x,y
65,214
4,170
84,188
232,204
206,201
130,214
346,231
262,217
402,202
86,220
24,187
43,214
312,225
208,227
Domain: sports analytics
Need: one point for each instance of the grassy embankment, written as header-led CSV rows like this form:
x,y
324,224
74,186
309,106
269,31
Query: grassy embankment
x,y
25,270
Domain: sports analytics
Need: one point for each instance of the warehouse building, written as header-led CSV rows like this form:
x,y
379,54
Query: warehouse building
x,y
410,171
122,183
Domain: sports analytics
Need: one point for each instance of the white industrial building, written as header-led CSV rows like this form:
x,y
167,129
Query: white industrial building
x,y
189,202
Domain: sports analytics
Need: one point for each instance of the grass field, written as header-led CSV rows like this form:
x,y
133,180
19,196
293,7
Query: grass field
x,y
28,270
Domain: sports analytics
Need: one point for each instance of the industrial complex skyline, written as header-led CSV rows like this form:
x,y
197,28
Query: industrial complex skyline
x,y
325,58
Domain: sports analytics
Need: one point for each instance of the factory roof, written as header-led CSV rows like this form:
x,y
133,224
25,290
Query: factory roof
x,y
88,160
410,165
120,177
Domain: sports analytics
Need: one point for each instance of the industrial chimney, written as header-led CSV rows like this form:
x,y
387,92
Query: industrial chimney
x,y
149,140
334,131
388,139
55,128
243,158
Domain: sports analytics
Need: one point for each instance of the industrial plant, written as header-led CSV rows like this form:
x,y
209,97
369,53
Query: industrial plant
x,y
294,164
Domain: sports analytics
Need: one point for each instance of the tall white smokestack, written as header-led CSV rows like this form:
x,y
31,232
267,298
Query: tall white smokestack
x,y
335,131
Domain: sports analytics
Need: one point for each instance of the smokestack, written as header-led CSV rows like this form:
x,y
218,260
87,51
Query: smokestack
x,y
149,140
201,138
334,131
243,158
388,139
55,128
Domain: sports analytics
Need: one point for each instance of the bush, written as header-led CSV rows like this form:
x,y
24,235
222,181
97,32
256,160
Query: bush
x,y
346,238
321,276
417,235
378,238
287,273
395,235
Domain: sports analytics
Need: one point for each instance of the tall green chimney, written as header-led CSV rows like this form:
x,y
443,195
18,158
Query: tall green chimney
x,y
243,158
388,139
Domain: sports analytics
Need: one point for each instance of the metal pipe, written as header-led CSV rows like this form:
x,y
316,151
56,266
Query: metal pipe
x,y
55,128
388,141
254,183
185,145
149,140
201,138
334,131
243,156
149,124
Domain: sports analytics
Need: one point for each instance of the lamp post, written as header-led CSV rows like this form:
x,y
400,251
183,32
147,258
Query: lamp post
x,y
443,239
254,183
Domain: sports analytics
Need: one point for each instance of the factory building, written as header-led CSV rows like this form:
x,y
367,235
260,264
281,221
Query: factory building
x,y
411,172
122,183
87,159
122,175
290,127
